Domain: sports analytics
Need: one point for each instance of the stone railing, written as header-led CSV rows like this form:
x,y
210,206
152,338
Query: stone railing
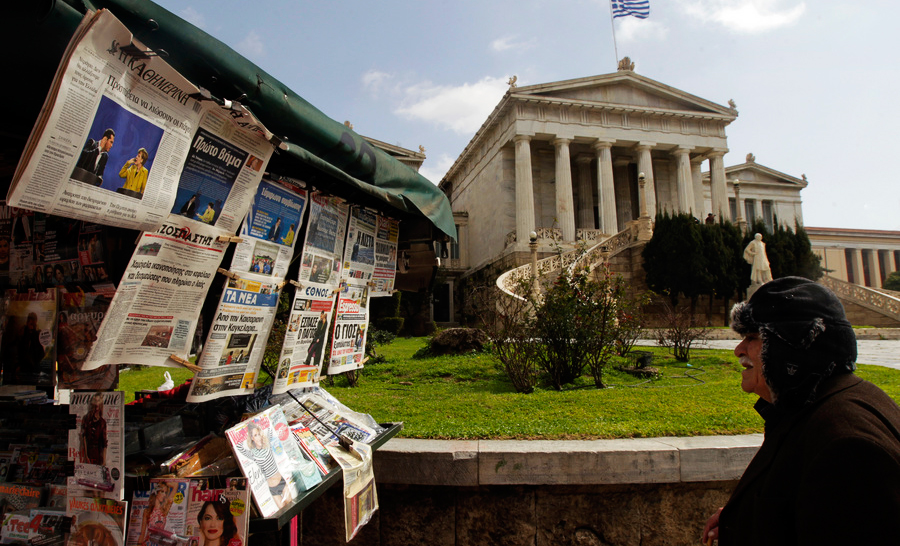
x,y
510,282
555,234
881,301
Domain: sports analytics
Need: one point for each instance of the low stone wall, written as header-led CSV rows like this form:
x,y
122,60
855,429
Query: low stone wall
x,y
647,492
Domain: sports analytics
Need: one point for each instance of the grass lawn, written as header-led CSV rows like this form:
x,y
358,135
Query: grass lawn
x,y
467,397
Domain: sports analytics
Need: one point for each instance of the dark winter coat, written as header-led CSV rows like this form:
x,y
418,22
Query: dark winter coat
x,y
827,474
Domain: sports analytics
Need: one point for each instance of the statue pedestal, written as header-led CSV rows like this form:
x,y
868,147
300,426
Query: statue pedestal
x,y
754,286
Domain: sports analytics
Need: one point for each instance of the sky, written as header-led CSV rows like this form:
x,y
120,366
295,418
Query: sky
x,y
813,80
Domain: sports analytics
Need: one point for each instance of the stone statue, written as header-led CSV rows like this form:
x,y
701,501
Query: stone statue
x,y
755,255
626,64
512,81
751,158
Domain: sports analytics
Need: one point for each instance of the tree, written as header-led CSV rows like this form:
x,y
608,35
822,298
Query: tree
x,y
893,281
673,258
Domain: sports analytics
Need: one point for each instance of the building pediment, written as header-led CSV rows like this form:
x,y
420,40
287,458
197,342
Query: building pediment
x,y
754,173
625,89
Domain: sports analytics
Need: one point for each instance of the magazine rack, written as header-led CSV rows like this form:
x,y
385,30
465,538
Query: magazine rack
x,y
275,522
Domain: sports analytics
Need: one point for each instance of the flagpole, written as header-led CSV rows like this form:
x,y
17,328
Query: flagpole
x,y
613,24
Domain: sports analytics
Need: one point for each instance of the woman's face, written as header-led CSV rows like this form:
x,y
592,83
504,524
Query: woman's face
x,y
211,524
256,437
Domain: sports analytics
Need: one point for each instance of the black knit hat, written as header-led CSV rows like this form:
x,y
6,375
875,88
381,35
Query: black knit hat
x,y
805,336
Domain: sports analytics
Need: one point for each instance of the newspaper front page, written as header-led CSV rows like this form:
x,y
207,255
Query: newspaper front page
x,y
300,362
360,496
323,249
229,364
116,131
269,231
387,235
156,307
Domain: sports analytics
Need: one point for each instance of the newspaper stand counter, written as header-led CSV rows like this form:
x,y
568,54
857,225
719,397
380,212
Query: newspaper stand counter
x,y
276,522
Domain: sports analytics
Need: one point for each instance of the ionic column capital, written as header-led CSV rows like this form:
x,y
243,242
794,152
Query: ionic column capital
x,y
602,144
561,141
521,138
583,159
644,146
680,150
717,152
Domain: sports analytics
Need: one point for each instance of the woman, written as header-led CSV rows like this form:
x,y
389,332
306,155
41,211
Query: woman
x,y
134,173
260,452
93,433
217,525
157,510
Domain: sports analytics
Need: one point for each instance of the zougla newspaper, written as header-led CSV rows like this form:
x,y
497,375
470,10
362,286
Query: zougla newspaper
x,y
124,137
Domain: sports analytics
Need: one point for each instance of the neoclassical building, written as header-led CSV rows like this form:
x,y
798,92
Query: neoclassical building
x,y
580,160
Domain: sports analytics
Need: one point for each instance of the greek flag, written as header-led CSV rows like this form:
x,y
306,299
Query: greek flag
x,y
636,8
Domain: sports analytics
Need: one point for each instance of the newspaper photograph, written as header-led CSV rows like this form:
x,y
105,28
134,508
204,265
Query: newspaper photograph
x,y
269,231
28,343
342,422
157,304
223,168
231,357
387,235
96,520
300,362
96,444
116,132
359,251
323,249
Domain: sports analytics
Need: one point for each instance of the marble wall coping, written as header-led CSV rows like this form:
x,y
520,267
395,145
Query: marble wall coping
x,y
461,463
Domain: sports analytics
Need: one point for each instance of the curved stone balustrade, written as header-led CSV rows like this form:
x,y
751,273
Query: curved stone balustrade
x,y
511,281
881,301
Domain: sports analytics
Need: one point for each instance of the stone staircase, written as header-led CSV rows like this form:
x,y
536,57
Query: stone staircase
x,y
881,302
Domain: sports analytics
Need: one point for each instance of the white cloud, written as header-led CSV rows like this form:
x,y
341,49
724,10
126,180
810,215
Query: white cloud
x,y
747,16
461,108
252,45
434,170
375,80
512,42
631,29
193,16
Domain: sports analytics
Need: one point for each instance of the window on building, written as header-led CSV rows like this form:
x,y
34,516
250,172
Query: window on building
x,y
454,245
750,210
867,273
732,209
768,215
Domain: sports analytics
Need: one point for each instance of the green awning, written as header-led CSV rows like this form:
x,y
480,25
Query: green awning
x,y
314,140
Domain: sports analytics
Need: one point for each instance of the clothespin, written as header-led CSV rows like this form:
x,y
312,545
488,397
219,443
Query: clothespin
x,y
290,281
228,239
228,274
186,363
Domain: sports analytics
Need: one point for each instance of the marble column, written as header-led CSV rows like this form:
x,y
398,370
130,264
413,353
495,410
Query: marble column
x,y
859,274
585,193
684,183
717,189
697,180
565,207
524,190
645,165
874,269
606,189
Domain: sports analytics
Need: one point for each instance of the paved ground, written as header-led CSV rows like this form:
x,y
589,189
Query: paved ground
x,y
877,352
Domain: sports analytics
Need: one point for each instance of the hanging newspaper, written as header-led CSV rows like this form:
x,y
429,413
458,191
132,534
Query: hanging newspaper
x,y
96,444
27,351
360,496
300,362
117,129
269,231
222,171
275,478
348,346
80,316
229,364
387,234
324,247
155,310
